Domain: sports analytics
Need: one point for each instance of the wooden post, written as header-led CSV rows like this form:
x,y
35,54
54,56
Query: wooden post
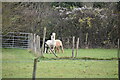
x,y
119,57
44,34
119,49
77,44
73,46
86,41
34,69
32,42
35,43
13,40
38,43
37,49
118,43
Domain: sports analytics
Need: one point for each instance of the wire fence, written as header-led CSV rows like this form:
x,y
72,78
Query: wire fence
x,y
23,40
15,40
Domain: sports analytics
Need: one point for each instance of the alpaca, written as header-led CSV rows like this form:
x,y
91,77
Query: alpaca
x,y
54,44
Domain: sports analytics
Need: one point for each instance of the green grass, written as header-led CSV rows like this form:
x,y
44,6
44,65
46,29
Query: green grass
x,y
78,69
16,55
18,63
88,53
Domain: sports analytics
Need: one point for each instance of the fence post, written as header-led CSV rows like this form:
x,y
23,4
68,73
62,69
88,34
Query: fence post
x,y
77,44
34,69
31,43
119,56
38,45
44,34
118,49
73,46
118,43
86,41
37,52
13,41
35,43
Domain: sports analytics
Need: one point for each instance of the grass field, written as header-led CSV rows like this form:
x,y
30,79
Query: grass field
x,y
18,63
89,53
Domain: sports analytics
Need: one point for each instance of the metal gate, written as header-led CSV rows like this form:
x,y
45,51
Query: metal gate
x,y
15,40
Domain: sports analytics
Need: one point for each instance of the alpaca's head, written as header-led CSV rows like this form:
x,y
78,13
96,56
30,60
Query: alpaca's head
x,y
53,36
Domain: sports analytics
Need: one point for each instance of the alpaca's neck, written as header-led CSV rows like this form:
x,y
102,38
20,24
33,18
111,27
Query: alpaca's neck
x,y
53,37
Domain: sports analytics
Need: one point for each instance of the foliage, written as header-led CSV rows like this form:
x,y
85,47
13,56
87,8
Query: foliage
x,y
66,19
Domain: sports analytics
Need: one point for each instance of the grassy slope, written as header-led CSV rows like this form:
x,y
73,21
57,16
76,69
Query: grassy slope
x,y
59,68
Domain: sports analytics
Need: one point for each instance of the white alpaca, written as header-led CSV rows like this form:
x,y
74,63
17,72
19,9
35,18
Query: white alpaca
x,y
51,43
54,43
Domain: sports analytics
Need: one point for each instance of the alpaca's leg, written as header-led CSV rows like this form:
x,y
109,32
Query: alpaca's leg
x,y
62,49
58,49
61,45
55,49
50,49
45,50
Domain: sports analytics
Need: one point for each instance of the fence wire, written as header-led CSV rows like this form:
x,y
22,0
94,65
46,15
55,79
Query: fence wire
x,y
15,40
